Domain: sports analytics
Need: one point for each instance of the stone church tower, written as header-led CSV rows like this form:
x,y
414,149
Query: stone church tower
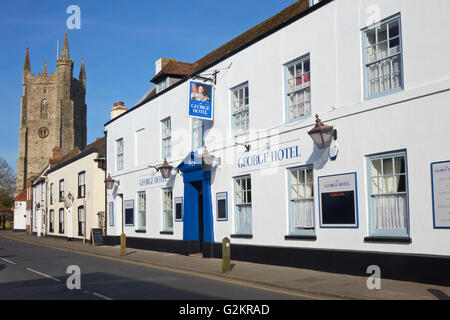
x,y
53,114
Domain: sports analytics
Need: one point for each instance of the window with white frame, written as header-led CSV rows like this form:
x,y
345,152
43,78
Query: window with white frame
x,y
51,193
240,110
298,89
383,58
243,203
52,221
61,190
197,134
167,210
82,184
119,155
81,221
142,211
166,136
162,85
301,200
61,221
111,213
388,195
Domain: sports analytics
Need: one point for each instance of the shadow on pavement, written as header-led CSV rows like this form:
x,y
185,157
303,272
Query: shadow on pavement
x,y
439,294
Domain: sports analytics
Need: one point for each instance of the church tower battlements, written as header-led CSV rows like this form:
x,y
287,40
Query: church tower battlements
x,y
53,114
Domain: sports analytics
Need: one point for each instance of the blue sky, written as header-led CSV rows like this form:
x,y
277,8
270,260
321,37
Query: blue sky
x,y
120,42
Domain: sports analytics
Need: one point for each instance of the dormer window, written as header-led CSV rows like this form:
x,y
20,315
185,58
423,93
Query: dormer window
x,y
160,86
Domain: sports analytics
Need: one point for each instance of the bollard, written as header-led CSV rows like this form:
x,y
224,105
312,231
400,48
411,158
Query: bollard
x,y
226,255
123,245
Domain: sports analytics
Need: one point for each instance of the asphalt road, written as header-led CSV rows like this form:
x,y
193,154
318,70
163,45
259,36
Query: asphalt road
x,y
29,272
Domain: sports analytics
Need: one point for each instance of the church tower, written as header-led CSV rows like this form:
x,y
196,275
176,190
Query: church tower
x,y
53,114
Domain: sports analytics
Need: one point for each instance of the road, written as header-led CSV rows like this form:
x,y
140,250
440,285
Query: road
x,y
29,272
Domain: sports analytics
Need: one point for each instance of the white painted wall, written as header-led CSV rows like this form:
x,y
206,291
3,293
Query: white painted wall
x,y
413,120
94,202
20,215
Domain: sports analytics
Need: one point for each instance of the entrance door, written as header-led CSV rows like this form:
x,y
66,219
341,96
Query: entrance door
x,y
199,186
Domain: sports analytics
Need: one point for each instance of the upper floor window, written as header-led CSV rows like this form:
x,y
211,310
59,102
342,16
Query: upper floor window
x,y
51,193
298,89
162,85
240,109
243,200
119,155
197,134
82,184
388,194
166,135
383,58
301,200
61,190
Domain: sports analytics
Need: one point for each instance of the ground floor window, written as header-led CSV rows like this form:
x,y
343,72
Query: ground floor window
x,y
167,210
388,194
111,213
81,221
142,211
301,200
52,221
61,221
243,201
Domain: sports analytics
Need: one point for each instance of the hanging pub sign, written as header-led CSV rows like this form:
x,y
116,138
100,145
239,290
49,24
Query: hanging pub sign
x,y
200,101
440,183
338,204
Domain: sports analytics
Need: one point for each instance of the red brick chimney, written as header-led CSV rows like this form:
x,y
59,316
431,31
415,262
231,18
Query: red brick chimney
x,y
57,157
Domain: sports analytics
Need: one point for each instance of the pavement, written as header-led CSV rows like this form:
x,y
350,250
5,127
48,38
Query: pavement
x,y
293,281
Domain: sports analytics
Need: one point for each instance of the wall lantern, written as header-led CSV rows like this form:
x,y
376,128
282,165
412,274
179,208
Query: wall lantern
x,y
110,182
322,135
207,160
166,169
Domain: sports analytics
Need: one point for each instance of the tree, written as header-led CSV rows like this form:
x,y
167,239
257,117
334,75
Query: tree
x,y
7,183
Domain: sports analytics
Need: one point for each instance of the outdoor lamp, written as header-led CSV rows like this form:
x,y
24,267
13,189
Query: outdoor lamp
x,y
207,160
166,169
110,182
322,135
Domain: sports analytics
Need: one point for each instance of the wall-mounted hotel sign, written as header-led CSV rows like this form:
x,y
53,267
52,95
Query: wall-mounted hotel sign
x,y
440,183
271,156
200,101
153,181
338,201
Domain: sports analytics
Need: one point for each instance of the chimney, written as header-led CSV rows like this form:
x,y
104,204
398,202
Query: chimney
x,y
160,64
118,109
57,157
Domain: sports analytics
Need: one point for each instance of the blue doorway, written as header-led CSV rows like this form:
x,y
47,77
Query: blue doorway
x,y
198,220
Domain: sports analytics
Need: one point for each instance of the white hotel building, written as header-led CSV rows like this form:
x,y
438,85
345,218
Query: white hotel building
x,y
378,71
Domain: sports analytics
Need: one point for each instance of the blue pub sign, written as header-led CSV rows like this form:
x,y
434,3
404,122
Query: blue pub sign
x,y
200,101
